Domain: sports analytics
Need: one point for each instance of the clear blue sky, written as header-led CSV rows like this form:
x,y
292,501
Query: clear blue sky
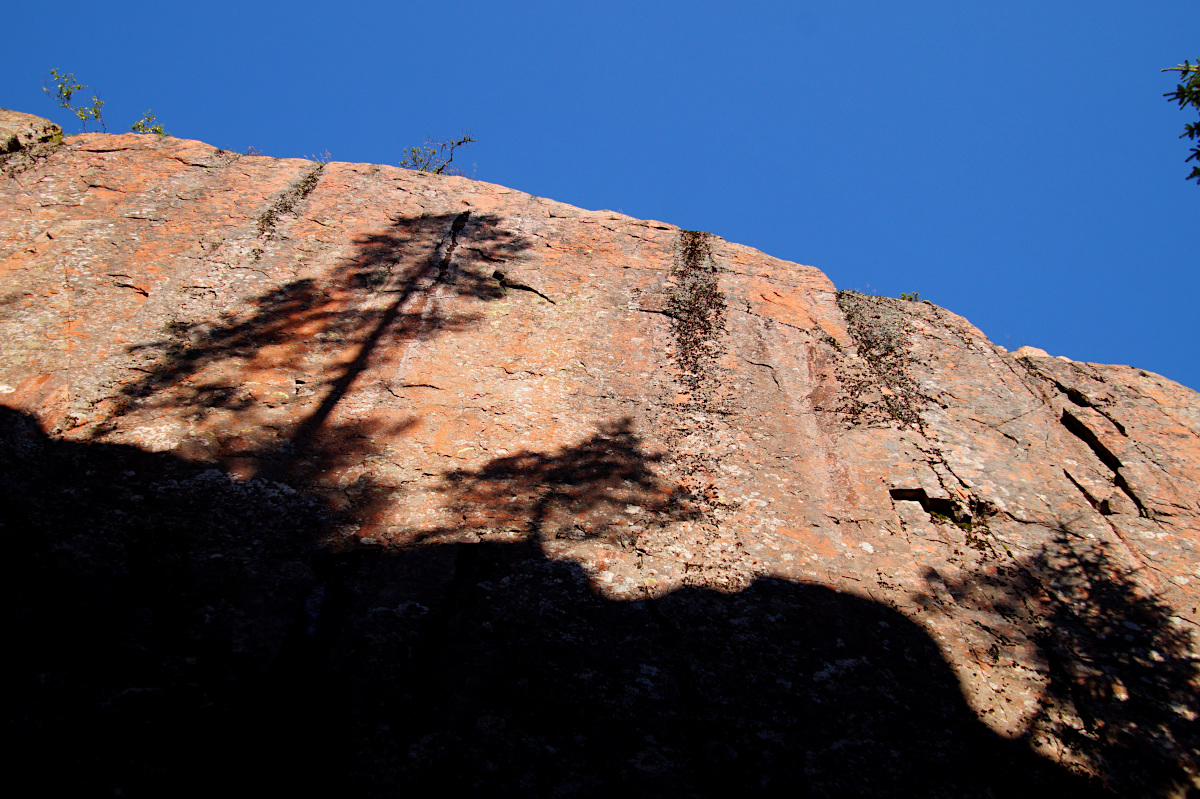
x,y
1014,162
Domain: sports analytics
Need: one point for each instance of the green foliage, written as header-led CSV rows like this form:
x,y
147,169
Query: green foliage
x,y
1186,93
65,87
435,156
147,125
914,297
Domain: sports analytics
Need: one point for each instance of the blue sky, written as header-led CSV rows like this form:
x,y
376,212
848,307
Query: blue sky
x,y
1014,162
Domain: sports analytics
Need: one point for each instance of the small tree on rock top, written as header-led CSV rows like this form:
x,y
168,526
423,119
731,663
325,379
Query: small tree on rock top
x,y
65,88
435,156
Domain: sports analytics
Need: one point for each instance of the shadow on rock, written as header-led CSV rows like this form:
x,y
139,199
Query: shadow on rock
x,y
147,601
384,297
585,491
175,631
1120,678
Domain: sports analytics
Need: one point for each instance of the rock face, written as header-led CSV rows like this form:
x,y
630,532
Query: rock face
x,y
340,472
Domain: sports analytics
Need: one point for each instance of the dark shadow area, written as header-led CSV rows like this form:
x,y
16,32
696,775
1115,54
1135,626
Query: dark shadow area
x,y
146,600
1122,681
176,632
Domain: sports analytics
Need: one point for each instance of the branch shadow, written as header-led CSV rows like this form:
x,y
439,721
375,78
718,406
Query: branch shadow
x,y
586,491
175,630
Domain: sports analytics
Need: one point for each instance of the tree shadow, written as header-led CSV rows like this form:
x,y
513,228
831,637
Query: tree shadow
x,y
389,295
586,491
175,630
1121,679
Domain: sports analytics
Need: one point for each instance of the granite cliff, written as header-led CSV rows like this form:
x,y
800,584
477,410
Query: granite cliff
x,y
346,475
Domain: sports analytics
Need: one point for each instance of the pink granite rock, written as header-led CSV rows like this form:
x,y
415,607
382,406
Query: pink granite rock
x,y
641,453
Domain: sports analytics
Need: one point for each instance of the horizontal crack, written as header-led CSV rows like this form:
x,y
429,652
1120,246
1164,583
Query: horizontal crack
x,y
138,289
508,284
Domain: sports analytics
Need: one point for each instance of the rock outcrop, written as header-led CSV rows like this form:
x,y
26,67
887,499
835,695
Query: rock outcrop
x,y
24,131
347,473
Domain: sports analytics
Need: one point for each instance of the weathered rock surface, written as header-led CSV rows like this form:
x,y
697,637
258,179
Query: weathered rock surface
x,y
23,131
344,472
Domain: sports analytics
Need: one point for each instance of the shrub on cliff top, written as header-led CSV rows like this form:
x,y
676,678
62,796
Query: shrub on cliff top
x,y
147,125
435,156
65,89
